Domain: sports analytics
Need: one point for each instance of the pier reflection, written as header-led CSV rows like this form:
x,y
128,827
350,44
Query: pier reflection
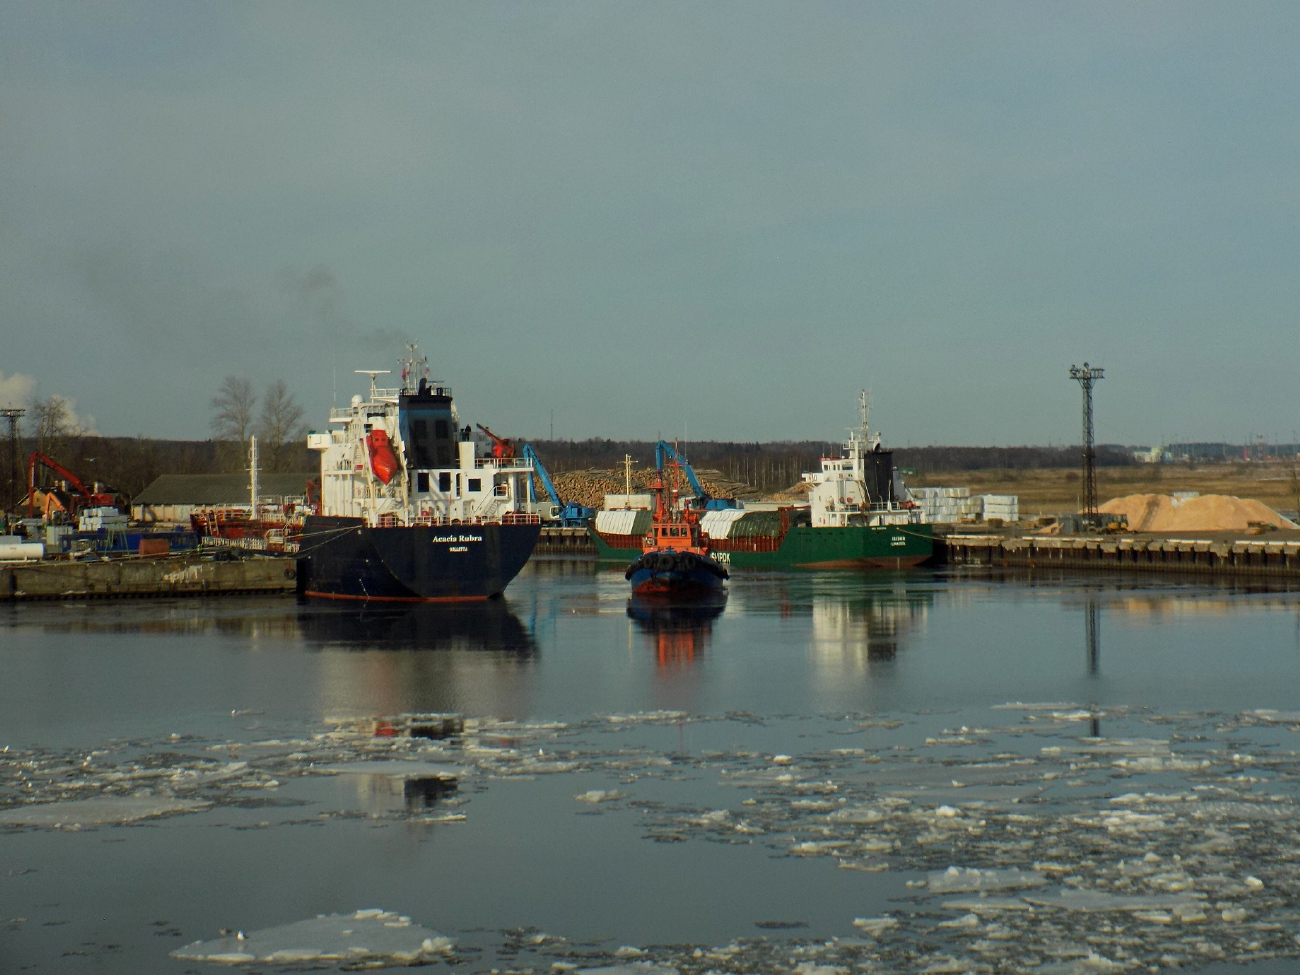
x,y
474,658
677,631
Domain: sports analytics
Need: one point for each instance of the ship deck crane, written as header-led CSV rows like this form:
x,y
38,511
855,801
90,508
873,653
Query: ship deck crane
x,y
570,514
502,448
665,450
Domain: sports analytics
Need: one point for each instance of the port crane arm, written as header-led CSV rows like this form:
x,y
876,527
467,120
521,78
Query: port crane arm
x,y
74,482
664,450
539,468
571,514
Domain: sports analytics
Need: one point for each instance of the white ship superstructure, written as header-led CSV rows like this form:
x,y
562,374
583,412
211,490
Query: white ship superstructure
x,y
399,457
860,487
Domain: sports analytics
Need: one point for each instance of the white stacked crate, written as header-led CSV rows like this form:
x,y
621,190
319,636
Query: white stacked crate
x,y
1003,506
946,505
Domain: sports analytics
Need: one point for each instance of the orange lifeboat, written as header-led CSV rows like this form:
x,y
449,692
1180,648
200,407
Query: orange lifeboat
x,y
383,458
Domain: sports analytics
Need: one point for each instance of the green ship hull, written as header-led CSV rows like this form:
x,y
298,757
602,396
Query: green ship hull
x,y
804,547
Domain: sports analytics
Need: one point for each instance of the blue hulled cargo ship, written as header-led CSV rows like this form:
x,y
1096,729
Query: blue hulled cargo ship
x,y
409,511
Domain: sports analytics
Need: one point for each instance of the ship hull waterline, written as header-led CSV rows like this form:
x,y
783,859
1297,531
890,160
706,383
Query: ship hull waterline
x,y
342,558
856,547
668,574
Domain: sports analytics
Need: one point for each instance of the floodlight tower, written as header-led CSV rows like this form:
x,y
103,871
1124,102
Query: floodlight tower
x,y
1086,376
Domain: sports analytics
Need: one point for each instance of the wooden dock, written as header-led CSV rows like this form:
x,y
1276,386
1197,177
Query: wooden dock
x,y
1215,553
182,575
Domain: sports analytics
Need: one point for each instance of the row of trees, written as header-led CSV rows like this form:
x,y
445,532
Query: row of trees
x,y
278,425
775,466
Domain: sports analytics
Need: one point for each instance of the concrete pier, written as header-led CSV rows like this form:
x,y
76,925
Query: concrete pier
x,y
1217,553
176,576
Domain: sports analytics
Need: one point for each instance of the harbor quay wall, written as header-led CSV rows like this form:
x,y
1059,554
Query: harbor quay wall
x,y
174,576
1125,553
564,541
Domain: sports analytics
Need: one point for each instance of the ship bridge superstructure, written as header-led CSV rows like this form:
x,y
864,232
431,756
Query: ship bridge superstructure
x,y
860,487
399,457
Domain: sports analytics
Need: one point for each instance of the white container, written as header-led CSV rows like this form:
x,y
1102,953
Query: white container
x,y
643,502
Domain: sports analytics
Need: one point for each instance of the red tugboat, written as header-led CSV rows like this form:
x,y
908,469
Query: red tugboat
x,y
674,558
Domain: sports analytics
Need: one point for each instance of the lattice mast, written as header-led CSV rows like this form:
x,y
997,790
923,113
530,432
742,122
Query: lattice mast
x,y
1086,376
13,414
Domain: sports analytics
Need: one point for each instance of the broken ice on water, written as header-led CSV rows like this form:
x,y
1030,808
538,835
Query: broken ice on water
x,y
99,811
367,936
1042,847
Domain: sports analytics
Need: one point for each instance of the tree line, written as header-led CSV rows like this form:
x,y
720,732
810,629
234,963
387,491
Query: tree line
x,y
129,464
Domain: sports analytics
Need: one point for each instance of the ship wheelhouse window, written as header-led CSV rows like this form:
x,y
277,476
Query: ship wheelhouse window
x,y
422,482
475,484
440,429
444,481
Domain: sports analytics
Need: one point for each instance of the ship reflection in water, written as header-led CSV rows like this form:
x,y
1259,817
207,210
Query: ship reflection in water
x,y
854,637
678,630
472,657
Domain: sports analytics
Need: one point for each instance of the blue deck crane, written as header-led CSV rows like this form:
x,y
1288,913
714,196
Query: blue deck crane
x,y
704,500
570,514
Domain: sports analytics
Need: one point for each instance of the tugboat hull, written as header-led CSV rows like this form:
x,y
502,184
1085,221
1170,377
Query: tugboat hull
x,y
669,572
342,558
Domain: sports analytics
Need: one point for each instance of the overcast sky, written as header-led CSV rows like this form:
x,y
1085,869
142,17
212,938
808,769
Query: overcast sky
x,y
718,219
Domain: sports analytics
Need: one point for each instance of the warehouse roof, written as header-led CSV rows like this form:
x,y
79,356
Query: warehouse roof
x,y
220,488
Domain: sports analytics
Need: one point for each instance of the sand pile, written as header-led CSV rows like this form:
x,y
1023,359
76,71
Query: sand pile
x,y
1209,512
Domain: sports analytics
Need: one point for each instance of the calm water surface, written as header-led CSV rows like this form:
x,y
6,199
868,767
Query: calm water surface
x,y
798,665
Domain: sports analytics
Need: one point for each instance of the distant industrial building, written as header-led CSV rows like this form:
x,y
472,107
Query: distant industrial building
x,y
173,497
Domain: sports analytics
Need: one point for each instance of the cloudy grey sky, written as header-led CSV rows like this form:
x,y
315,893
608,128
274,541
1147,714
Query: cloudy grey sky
x,y
713,218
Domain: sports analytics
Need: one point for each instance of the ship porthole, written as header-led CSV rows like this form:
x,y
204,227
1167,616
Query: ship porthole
x,y
290,574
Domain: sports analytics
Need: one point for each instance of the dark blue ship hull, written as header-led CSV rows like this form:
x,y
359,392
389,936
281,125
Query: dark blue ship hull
x,y
667,572
340,558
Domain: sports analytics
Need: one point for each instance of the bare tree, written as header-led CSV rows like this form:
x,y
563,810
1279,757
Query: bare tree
x,y
280,423
232,417
55,424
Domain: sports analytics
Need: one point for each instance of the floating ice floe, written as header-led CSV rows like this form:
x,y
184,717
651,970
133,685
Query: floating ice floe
x,y
1097,901
600,795
1269,716
631,968
874,926
958,880
395,768
99,811
368,936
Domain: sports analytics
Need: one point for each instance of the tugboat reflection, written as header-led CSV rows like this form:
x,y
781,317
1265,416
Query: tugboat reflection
x,y
678,630
854,636
471,658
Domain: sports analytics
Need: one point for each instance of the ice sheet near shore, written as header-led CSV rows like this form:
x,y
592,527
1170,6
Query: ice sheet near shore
x,y
1025,844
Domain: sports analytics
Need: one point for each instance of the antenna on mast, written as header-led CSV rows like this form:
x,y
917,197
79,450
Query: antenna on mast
x,y
372,373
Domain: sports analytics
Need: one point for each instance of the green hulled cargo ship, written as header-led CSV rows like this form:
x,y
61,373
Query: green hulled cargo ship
x,y
858,516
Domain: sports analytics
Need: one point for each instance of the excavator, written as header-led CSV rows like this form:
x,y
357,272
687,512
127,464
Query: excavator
x,y
76,497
